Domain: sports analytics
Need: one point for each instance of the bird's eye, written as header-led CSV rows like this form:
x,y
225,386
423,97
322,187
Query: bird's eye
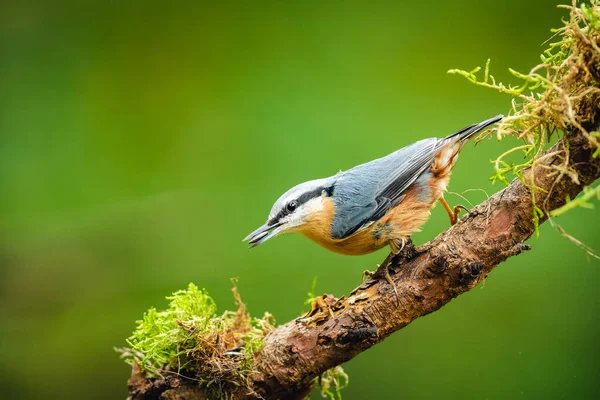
x,y
292,205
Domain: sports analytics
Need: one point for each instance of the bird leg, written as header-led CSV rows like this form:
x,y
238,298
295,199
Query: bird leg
x,y
453,212
378,273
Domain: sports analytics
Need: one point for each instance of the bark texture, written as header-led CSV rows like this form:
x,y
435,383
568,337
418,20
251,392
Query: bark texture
x,y
426,277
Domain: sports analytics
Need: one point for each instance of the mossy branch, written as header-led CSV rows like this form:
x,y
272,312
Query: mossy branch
x,y
558,101
558,95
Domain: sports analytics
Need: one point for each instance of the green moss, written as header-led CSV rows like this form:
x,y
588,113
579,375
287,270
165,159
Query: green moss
x,y
559,95
332,382
167,337
581,201
189,338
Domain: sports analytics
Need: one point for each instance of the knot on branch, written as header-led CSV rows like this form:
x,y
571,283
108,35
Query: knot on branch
x,y
469,273
359,335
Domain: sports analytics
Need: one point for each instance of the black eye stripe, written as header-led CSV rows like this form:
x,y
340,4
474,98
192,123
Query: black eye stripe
x,y
303,198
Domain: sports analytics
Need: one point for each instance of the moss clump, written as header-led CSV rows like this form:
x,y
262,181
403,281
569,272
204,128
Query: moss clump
x,y
190,339
559,96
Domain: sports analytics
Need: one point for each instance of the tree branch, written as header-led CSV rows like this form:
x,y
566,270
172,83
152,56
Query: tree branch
x,y
427,278
435,273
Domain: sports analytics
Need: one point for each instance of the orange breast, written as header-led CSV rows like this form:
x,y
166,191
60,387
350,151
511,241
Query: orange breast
x,y
398,222
366,240
318,229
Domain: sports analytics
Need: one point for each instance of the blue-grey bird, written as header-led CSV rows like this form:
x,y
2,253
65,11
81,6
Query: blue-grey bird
x,y
374,204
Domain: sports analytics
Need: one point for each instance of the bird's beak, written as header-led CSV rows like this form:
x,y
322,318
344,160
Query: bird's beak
x,y
263,234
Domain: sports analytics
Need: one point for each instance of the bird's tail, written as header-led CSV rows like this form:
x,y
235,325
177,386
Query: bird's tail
x,y
470,130
450,146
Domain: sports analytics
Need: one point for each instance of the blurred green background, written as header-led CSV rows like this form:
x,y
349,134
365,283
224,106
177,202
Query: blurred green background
x,y
141,141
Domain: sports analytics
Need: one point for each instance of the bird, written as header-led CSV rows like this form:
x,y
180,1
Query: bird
x,y
375,204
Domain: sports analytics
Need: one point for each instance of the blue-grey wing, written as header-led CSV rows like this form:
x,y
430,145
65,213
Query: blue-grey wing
x,y
365,193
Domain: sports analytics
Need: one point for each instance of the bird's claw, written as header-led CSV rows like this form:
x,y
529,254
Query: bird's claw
x,y
382,271
369,274
457,209
388,278
453,212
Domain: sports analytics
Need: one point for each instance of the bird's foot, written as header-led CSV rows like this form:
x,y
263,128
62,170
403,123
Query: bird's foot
x,y
383,271
453,212
368,274
456,211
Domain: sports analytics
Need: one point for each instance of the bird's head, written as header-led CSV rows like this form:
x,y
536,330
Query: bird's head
x,y
296,210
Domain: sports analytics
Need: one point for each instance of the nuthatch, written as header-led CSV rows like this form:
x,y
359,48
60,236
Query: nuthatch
x,y
374,204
